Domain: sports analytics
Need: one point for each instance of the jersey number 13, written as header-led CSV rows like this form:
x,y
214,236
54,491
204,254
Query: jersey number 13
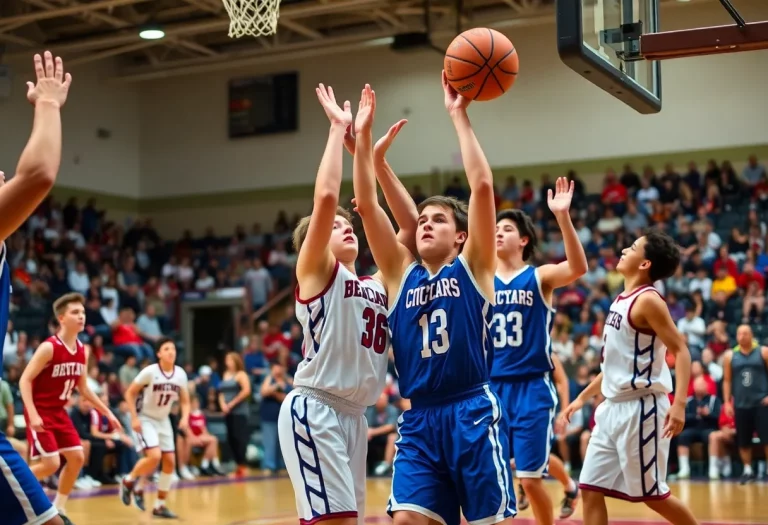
x,y
434,337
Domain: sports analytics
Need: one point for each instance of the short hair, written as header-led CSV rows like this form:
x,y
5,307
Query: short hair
x,y
525,226
663,253
60,305
300,232
458,208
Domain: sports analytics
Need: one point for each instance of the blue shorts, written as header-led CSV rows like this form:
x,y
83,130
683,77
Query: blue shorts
x,y
21,496
529,408
454,458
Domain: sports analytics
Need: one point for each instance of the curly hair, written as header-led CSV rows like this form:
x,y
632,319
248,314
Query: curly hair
x,y
663,253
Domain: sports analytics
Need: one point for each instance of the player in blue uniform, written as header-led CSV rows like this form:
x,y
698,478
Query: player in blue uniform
x,y
453,450
522,365
22,499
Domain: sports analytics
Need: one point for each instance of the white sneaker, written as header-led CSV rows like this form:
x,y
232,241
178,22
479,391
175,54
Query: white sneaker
x,y
186,474
82,484
175,478
714,474
684,474
94,483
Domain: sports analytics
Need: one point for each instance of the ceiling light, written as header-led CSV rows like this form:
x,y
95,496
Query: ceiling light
x,y
152,33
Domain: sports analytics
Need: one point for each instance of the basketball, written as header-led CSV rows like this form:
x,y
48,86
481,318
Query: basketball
x,y
481,64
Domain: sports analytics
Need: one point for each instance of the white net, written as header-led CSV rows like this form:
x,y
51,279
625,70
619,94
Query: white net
x,y
252,17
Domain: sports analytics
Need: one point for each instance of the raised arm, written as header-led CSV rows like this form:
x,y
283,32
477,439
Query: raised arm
x,y
40,160
389,254
480,248
40,358
315,262
558,275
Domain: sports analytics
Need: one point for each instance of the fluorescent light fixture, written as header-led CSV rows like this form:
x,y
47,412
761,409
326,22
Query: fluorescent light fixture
x,y
152,33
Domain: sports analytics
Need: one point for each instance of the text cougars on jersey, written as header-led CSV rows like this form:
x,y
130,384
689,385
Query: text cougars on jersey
x,y
68,369
356,289
521,297
423,295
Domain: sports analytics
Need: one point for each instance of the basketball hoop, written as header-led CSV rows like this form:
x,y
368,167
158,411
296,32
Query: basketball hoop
x,y
252,17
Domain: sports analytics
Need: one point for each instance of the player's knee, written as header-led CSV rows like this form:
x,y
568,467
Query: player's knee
x,y
714,437
591,497
153,454
50,464
531,484
76,458
169,462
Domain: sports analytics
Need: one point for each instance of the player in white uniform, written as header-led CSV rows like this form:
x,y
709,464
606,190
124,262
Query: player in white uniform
x,y
627,454
150,398
322,427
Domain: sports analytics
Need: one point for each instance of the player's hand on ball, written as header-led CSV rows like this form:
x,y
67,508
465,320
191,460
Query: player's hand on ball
x,y
335,114
675,421
570,410
561,200
36,423
383,144
52,83
365,110
453,101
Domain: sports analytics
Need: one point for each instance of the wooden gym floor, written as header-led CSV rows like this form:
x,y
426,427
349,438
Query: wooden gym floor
x,y
269,501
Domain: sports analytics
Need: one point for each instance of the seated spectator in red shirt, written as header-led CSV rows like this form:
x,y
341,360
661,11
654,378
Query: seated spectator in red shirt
x,y
720,458
614,193
127,338
198,436
753,284
724,261
276,343
697,370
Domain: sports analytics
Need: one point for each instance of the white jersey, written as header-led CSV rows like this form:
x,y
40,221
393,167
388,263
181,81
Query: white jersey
x,y
160,391
633,361
346,338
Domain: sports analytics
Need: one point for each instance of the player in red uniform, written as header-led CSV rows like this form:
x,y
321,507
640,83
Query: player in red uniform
x,y
56,368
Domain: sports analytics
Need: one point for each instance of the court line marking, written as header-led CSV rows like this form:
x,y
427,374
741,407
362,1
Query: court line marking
x,y
523,520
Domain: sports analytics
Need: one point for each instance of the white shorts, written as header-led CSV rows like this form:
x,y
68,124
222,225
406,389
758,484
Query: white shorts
x,y
627,455
155,434
324,441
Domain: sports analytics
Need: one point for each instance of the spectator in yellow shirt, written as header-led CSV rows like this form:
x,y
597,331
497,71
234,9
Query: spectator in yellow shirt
x,y
724,282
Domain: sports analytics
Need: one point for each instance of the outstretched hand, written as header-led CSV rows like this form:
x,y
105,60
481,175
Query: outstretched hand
x,y
561,200
52,83
335,114
365,110
453,101
382,145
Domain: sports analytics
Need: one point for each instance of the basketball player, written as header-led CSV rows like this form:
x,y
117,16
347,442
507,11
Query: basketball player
x,y
745,381
452,453
161,385
23,500
522,322
556,467
627,454
322,427
57,367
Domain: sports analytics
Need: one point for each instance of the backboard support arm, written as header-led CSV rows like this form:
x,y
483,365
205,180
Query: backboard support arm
x,y
704,41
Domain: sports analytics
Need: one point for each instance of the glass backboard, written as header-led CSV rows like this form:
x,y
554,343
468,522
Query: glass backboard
x,y
600,40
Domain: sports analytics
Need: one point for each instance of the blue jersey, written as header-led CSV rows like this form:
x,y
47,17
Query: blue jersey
x,y
440,333
521,327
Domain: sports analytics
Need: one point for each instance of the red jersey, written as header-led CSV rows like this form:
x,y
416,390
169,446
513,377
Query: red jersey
x,y
53,387
197,422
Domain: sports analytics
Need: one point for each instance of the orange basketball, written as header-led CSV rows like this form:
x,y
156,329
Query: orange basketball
x,y
481,64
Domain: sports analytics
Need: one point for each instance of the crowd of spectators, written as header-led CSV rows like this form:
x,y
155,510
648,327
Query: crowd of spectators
x,y
134,283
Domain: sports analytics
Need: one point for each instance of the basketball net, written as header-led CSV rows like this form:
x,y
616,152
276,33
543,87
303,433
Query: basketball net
x,y
252,17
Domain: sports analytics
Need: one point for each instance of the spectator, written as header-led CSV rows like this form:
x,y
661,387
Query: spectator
x,y
148,324
234,393
127,338
694,329
702,413
719,441
199,437
382,434
273,391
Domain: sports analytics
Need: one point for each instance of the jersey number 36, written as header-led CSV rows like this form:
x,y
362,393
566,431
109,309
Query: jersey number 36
x,y
508,329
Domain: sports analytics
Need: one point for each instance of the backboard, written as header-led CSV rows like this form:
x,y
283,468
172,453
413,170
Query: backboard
x,y
600,40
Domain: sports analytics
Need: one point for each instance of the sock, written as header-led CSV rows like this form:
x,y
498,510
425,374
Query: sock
x,y
713,461
216,463
159,503
129,480
684,464
60,502
571,486
164,483
748,470
205,463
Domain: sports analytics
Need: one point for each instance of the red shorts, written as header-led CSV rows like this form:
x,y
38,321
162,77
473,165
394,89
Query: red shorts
x,y
58,435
